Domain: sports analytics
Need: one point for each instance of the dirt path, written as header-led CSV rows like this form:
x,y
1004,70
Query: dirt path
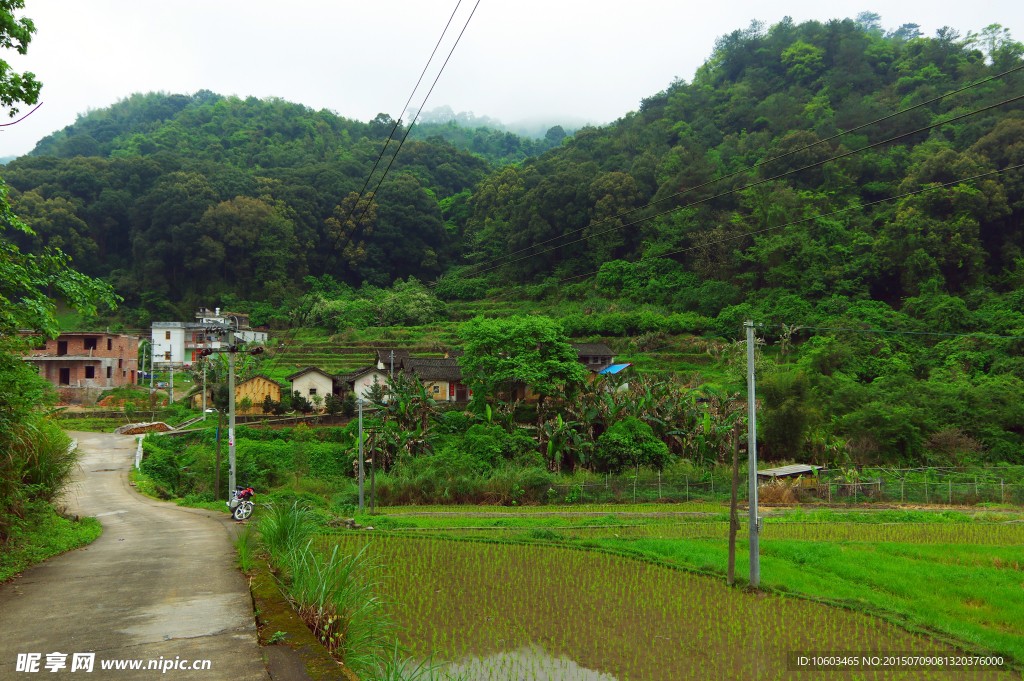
x,y
159,583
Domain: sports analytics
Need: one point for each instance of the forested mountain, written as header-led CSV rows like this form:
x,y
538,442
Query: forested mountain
x,y
179,199
763,93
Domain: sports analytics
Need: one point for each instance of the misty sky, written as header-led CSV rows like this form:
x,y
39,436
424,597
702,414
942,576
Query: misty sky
x,y
528,59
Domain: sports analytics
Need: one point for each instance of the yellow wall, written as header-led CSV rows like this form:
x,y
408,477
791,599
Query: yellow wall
x,y
256,390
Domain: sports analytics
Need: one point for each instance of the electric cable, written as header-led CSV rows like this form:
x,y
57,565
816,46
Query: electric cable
x,y
404,137
759,182
373,194
755,166
907,333
390,136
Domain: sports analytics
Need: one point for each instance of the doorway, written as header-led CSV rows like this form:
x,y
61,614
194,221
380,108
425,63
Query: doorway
x,y
65,376
62,349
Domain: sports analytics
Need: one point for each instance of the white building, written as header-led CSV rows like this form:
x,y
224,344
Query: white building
x,y
176,343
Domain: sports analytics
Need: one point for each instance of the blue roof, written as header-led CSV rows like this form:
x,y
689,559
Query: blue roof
x,y
614,368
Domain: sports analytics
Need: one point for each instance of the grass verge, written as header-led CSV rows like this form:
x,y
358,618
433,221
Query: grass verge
x,y
42,535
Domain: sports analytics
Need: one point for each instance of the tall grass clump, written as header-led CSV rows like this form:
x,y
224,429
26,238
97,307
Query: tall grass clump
x,y
285,529
246,546
37,466
335,595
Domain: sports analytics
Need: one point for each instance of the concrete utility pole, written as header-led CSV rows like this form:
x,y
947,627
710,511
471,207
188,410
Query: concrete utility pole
x,y
231,419
204,390
755,558
143,364
392,364
360,403
171,383
151,354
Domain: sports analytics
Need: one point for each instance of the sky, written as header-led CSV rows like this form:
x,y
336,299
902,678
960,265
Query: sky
x,y
589,61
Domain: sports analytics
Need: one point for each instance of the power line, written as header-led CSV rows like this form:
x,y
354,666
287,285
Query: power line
x,y
795,222
390,136
406,136
907,333
394,156
755,166
759,182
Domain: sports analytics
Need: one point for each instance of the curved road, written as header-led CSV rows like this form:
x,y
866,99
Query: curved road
x,y
160,582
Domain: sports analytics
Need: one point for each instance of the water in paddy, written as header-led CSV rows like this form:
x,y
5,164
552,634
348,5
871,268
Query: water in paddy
x,y
529,662
502,611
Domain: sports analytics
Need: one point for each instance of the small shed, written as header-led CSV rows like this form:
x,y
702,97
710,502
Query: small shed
x,y
806,472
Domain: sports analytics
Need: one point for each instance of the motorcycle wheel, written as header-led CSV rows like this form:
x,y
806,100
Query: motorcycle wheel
x,y
243,511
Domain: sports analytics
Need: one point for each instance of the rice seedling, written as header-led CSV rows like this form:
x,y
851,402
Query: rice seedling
x,y
484,606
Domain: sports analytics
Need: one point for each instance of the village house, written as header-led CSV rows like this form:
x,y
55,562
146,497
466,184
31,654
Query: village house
x,y
255,388
311,382
360,381
175,344
441,376
390,359
81,365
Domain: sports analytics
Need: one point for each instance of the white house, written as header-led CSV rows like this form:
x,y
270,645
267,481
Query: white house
x,y
176,343
360,381
311,381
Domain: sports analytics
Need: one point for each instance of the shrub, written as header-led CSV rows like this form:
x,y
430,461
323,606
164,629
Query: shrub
x,y
630,443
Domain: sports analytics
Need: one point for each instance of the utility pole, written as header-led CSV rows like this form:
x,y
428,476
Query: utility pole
x,y
204,390
734,519
143,364
755,558
360,454
171,383
151,354
392,365
231,418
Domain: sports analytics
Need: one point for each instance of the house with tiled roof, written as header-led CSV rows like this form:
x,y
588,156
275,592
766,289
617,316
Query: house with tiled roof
x,y
594,356
441,376
360,381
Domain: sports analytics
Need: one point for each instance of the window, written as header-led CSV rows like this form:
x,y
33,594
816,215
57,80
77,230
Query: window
x,y
437,389
110,344
120,364
312,391
109,373
90,343
90,372
167,356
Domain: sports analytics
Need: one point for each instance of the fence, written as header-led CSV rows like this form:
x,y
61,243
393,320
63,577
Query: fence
x,y
877,489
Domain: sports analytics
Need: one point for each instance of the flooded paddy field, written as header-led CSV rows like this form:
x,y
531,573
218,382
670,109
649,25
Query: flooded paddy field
x,y
977,534
504,611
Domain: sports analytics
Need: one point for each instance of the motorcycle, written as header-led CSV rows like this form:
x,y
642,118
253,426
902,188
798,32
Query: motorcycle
x,y
240,504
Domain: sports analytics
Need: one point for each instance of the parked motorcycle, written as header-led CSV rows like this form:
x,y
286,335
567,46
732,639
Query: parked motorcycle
x,y
240,503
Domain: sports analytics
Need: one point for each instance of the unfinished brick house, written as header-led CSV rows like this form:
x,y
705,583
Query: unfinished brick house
x,y
81,365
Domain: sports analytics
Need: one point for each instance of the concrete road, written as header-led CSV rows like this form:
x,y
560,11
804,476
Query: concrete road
x,y
159,584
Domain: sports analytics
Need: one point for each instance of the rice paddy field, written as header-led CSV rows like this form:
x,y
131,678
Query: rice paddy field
x,y
598,596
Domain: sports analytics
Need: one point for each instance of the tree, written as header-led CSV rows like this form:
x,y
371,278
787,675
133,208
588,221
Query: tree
x,y
16,34
532,350
331,405
268,404
27,283
628,444
300,403
245,405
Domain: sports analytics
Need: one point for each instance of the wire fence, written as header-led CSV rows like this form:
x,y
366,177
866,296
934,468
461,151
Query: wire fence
x,y
952,491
